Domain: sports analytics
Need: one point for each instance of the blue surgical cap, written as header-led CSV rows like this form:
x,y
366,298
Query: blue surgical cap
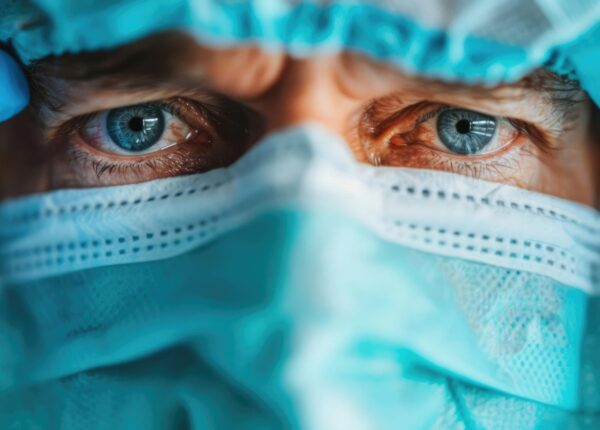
x,y
14,93
471,41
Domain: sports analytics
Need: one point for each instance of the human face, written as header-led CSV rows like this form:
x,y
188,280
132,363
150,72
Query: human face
x,y
216,103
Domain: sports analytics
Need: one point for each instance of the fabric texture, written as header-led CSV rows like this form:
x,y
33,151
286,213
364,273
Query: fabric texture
x,y
300,289
13,88
472,41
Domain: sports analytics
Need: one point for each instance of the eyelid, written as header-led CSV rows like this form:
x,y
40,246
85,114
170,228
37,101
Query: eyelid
x,y
187,109
541,138
86,103
407,116
431,114
176,131
225,130
382,114
525,104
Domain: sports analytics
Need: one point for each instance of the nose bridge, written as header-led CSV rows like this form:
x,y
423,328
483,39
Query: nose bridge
x,y
306,92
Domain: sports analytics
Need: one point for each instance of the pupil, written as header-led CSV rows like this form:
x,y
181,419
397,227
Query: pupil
x,y
463,126
135,128
136,124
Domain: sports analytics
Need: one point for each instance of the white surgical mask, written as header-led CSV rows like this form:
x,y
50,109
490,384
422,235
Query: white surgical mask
x,y
332,294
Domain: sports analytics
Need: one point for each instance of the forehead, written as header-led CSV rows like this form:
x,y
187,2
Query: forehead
x,y
174,61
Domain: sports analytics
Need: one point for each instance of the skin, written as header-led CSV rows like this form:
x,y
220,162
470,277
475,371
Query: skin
x,y
540,145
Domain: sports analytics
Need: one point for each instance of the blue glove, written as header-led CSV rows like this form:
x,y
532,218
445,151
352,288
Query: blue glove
x,y
14,92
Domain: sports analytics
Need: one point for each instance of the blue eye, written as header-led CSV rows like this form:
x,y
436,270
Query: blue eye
x,y
136,128
465,132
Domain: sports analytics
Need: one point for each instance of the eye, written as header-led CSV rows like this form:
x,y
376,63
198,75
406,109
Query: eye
x,y
145,141
434,136
137,129
457,132
465,132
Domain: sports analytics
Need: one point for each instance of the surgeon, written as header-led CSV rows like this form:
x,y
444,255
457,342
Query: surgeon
x,y
289,215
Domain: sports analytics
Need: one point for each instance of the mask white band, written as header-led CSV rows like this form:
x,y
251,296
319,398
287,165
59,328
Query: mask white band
x,y
304,167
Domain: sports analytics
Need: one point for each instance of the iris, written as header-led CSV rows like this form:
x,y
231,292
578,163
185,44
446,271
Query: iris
x,y
136,128
465,132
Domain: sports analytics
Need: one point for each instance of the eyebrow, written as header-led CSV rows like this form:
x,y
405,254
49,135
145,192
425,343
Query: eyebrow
x,y
565,93
135,67
157,56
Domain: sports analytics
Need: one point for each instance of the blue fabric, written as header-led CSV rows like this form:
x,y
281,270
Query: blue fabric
x,y
300,27
55,27
582,57
299,288
273,327
14,92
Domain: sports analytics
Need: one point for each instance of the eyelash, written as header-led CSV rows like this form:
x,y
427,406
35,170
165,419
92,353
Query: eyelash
x,y
178,162
214,117
102,167
386,114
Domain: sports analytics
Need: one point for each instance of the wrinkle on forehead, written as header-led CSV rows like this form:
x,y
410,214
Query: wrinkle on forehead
x,y
171,62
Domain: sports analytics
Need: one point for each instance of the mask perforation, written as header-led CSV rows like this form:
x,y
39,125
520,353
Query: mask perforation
x,y
21,220
285,172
